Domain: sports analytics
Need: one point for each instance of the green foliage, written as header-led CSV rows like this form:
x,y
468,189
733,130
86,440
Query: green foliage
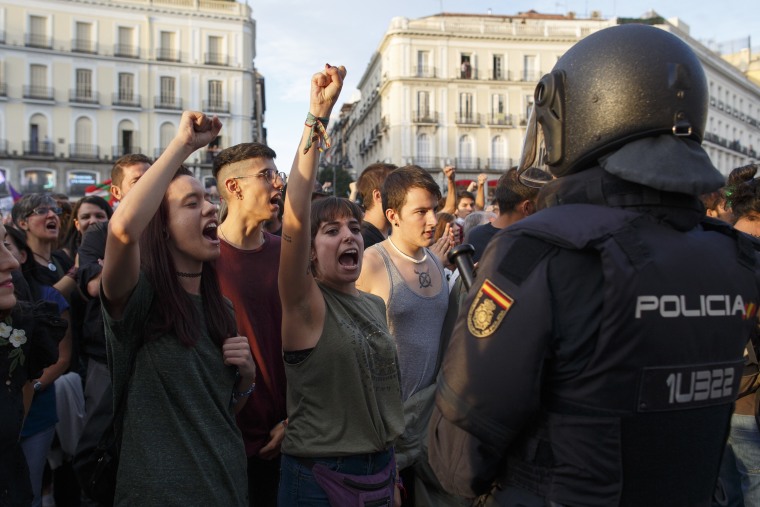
x,y
343,179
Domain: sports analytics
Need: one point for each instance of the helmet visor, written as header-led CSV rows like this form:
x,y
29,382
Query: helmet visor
x,y
532,170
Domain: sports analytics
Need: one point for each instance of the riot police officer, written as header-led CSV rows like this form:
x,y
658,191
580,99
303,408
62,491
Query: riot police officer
x,y
597,357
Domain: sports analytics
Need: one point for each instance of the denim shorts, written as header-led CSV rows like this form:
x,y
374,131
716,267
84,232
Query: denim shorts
x,y
299,488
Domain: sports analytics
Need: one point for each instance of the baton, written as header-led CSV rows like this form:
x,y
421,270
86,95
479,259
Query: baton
x,y
461,255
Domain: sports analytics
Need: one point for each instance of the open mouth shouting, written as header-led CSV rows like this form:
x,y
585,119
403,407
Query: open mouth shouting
x,y
349,259
210,232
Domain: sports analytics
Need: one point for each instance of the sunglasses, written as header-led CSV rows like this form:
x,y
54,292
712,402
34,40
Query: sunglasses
x,y
269,175
44,210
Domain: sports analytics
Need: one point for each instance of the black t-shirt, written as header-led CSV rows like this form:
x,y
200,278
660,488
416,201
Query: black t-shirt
x,y
371,234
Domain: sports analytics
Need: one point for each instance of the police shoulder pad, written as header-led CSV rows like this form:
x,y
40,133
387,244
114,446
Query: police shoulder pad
x,y
487,310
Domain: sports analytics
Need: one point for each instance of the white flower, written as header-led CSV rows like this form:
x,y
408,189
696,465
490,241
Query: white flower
x,y
18,337
5,330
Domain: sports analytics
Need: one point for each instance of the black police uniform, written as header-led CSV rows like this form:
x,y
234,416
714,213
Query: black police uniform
x,y
597,356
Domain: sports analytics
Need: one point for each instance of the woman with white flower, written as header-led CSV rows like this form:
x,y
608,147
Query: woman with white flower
x,y
39,427
29,338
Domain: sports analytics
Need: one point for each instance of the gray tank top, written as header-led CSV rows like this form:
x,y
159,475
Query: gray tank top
x,y
415,322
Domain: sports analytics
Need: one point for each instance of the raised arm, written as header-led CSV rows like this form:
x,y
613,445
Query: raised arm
x,y
480,196
302,303
121,267
451,196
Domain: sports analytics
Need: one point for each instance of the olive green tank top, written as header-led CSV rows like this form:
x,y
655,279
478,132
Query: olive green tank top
x,y
345,397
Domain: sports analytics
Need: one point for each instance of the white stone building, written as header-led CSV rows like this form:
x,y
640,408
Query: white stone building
x,y
83,82
457,88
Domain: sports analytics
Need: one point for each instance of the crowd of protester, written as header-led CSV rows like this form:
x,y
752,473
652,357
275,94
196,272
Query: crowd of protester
x,y
260,352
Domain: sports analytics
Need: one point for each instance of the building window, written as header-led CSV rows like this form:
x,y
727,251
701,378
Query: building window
x,y
423,157
166,133
82,146
38,33
465,66
423,65
466,160
498,67
168,97
83,42
5,191
498,154
83,90
126,139
38,143
215,55
78,181
38,84
126,46
37,181
167,51
466,114
215,102
126,94
423,105
529,68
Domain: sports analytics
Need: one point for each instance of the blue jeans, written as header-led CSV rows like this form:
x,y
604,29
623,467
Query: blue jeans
x,y
745,440
298,488
36,449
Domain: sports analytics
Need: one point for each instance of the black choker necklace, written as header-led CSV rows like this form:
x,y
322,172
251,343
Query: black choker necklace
x,y
189,275
50,265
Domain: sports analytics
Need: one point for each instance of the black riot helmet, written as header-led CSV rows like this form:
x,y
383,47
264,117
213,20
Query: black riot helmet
x,y
615,86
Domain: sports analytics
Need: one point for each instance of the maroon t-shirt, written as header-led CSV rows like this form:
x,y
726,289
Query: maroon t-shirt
x,y
248,278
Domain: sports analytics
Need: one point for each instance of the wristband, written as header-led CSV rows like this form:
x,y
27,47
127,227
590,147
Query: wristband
x,y
236,395
318,133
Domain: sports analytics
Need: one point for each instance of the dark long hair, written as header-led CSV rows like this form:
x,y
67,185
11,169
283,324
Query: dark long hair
x,y
73,237
172,310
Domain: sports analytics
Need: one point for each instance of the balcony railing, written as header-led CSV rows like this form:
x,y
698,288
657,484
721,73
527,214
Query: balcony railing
x,y
425,71
126,51
530,75
40,148
168,103
120,151
499,75
499,164
84,97
427,162
38,40
500,120
39,92
468,163
466,73
84,46
216,106
425,117
167,55
122,99
216,59
468,118
86,151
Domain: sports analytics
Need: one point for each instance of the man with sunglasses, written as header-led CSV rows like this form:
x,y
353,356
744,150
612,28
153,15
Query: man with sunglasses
x,y
251,186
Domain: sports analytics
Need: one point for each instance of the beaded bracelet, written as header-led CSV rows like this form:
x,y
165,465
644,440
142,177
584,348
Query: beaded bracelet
x,y
318,133
236,395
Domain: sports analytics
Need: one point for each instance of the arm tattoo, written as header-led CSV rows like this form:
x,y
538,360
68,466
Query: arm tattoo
x,y
287,237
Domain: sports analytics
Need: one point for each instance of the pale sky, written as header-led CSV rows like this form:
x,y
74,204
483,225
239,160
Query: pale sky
x,y
295,38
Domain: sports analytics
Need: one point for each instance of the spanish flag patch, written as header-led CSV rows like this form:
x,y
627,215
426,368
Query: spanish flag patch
x,y
487,310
